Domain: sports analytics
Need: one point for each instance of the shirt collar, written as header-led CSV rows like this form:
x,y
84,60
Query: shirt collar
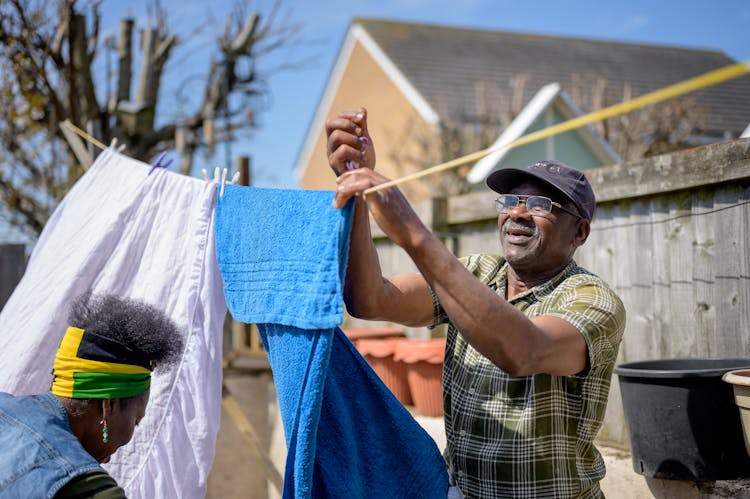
x,y
539,291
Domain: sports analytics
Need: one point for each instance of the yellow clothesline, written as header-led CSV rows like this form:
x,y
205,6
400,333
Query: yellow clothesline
x,y
690,85
81,133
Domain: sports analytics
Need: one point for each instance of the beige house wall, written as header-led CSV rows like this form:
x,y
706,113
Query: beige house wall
x,y
399,133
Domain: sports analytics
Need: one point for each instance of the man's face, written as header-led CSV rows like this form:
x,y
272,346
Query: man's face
x,y
538,243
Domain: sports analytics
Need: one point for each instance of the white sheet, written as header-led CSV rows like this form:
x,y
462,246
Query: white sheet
x,y
151,237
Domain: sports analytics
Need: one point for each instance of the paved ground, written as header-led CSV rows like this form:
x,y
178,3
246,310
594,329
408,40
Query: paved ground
x,y
243,465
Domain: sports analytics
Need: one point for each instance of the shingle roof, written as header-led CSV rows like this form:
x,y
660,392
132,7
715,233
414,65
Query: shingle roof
x,y
447,65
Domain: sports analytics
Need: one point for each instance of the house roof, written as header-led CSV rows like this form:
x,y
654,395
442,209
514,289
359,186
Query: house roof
x,y
447,65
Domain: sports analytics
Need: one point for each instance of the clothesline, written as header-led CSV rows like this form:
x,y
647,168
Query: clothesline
x,y
85,136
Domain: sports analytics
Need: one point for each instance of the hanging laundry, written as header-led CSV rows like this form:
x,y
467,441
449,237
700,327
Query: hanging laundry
x,y
122,232
282,255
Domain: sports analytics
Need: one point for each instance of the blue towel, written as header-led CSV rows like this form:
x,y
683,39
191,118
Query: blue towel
x,y
282,255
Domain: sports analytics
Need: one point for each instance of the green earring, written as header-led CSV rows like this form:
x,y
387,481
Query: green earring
x,y
105,431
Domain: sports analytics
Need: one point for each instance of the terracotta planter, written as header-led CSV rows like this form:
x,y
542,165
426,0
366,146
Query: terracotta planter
x,y
379,353
740,381
424,359
359,333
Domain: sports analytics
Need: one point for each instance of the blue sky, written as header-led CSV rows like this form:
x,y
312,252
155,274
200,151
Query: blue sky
x,y
294,94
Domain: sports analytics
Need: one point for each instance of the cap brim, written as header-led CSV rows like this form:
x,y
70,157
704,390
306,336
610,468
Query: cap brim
x,y
502,181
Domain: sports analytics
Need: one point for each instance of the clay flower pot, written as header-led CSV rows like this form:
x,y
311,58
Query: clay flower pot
x,y
379,353
424,359
740,381
360,333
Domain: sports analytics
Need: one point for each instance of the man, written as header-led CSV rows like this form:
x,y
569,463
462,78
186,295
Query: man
x,y
532,337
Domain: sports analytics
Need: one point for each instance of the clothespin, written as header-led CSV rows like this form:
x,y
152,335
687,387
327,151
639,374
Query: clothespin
x,y
223,182
220,178
353,165
113,145
159,164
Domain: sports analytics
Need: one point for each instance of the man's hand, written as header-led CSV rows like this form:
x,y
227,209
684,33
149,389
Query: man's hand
x,y
389,207
351,154
349,143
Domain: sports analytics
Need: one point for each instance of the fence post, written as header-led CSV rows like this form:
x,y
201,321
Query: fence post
x,y
12,266
439,222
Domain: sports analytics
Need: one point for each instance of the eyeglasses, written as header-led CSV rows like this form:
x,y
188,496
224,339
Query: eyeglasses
x,y
536,205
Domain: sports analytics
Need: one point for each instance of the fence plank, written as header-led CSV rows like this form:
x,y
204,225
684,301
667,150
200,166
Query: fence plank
x,y
704,272
661,278
609,253
728,273
681,326
743,331
640,340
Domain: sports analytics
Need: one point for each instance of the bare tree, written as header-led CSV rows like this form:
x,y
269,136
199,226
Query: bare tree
x,y
47,66
657,129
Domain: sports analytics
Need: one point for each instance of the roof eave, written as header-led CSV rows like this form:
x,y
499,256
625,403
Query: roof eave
x,y
551,94
357,33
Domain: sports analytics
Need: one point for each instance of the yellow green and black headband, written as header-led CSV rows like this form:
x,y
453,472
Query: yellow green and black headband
x,y
90,366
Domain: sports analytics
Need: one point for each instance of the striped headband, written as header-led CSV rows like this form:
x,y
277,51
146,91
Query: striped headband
x,y
90,366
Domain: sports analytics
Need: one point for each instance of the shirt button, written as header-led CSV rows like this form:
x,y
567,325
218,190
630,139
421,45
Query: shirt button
x,y
471,391
460,473
462,433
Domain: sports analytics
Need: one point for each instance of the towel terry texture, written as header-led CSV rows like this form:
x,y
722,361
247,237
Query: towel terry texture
x,y
123,232
282,255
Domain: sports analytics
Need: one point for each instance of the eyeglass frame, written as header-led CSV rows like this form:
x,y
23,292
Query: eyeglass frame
x,y
523,198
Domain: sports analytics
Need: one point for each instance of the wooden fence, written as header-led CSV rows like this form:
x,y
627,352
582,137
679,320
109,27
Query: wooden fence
x,y
671,235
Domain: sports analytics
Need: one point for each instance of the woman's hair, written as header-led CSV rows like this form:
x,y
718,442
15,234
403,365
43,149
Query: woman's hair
x,y
144,329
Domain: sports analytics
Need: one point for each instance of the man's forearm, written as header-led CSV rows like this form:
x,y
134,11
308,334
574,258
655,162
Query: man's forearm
x,y
491,325
364,278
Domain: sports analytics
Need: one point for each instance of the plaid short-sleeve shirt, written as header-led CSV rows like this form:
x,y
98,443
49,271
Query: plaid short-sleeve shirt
x,y
531,436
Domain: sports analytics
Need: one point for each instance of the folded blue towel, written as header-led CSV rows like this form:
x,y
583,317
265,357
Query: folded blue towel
x,y
282,255
280,258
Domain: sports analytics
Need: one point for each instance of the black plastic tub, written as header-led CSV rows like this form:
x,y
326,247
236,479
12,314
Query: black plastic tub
x,y
683,421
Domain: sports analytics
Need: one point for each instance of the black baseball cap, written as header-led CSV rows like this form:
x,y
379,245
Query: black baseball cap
x,y
563,178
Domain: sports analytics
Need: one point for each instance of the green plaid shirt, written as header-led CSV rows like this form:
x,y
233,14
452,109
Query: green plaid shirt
x,y
531,436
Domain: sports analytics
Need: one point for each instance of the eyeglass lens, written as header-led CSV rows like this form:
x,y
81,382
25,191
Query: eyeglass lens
x,y
533,203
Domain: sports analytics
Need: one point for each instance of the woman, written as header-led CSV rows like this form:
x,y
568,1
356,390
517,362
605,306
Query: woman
x,y
53,442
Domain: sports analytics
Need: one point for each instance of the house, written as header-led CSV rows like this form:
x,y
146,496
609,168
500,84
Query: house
x,y
420,81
